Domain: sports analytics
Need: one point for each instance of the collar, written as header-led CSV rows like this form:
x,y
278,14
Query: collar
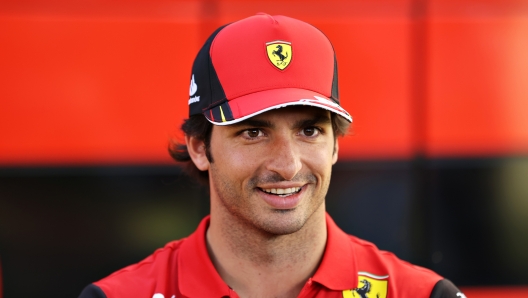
x,y
197,276
338,268
337,271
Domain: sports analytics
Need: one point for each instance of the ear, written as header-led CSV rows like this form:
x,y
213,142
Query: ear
x,y
336,151
197,152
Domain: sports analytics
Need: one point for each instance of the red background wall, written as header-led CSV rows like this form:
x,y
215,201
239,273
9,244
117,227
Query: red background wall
x,y
105,83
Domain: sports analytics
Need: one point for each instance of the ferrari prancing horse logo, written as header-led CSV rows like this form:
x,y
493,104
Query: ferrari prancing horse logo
x,y
369,286
279,53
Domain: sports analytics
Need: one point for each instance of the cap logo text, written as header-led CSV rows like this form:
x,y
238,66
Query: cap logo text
x,y
192,90
279,53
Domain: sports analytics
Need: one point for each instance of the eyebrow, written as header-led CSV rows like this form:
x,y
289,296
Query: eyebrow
x,y
319,119
254,123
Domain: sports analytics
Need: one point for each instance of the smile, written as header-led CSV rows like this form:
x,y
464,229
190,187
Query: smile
x,y
282,192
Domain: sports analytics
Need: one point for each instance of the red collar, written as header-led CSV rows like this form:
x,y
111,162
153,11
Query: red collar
x,y
198,277
338,268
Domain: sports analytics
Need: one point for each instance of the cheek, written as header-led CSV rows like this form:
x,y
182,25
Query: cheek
x,y
318,163
319,158
234,163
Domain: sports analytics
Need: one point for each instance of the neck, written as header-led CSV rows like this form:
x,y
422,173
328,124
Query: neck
x,y
258,264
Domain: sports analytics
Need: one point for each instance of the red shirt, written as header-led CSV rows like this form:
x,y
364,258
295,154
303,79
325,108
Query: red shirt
x,y
350,267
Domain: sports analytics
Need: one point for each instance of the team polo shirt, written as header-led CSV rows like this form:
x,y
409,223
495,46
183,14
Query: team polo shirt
x,y
350,267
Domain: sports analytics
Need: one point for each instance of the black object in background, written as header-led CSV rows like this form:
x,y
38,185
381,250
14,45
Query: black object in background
x,y
62,228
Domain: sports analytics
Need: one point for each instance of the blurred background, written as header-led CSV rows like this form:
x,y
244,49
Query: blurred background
x,y
91,92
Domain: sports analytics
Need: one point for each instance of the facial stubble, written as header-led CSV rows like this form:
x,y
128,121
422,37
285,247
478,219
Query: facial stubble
x,y
244,213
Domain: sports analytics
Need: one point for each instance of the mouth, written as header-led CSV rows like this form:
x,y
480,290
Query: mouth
x,y
282,192
283,198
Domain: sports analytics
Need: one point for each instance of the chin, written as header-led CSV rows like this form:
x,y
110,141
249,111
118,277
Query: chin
x,y
282,226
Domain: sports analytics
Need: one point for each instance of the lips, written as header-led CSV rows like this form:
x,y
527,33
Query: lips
x,y
282,198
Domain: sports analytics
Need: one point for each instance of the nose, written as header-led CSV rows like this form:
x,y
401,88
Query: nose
x,y
284,158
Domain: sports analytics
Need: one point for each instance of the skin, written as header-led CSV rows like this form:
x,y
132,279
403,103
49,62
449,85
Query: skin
x,y
261,244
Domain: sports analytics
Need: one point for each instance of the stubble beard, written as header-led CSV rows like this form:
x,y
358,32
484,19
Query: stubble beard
x,y
244,215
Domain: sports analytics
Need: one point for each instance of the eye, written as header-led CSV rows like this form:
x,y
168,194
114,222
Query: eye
x,y
310,131
252,133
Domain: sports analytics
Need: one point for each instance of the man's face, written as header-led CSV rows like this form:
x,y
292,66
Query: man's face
x,y
272,171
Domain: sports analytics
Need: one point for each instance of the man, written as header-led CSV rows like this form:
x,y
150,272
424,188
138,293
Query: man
x,y
262,132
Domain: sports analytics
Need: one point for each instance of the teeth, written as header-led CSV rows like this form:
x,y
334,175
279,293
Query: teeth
x,y
282,191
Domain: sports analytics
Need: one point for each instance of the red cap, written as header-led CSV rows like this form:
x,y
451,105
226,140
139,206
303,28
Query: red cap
x,y
262,63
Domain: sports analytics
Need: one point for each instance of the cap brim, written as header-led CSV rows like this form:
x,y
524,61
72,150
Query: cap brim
x,y
247,106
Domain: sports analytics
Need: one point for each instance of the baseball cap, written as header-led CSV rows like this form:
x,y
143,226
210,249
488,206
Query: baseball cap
x,y
262,63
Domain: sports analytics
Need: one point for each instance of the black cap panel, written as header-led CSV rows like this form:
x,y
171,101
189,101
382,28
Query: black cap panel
x,y
205,90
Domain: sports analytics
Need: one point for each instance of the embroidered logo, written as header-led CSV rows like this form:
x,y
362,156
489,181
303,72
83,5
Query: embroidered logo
x,y
279,53
192,90
369,286
158,295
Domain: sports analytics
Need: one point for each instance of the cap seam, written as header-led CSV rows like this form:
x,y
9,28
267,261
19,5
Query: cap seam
x,y
215,104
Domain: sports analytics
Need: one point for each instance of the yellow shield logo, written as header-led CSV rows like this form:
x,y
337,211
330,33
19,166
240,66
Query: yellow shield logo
x,y
279,53
369,285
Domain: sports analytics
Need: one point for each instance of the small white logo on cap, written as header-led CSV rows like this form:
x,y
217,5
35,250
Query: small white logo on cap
x,y
193,88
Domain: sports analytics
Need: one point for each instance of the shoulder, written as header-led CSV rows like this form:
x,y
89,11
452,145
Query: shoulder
x,y
368,256
92,291
138,279
401,278
446,289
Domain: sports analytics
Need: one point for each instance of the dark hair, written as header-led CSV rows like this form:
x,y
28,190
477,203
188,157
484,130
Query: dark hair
x,y
199,127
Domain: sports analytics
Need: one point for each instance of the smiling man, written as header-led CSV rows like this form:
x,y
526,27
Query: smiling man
x,y
264,118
